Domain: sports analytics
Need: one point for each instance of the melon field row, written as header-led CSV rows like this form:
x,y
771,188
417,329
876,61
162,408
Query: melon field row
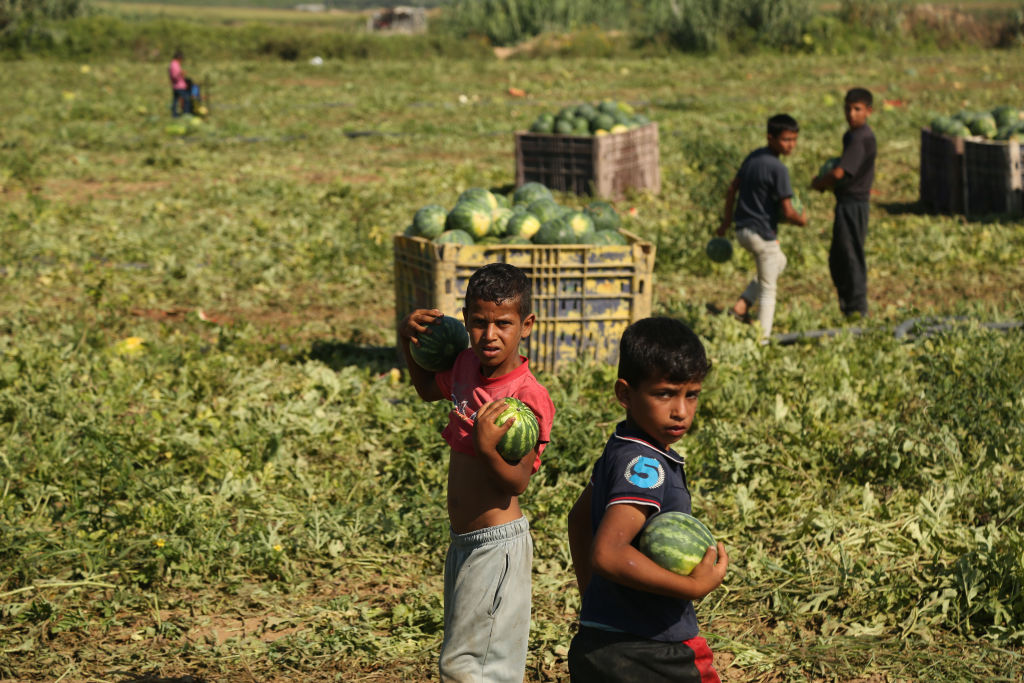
x,y
211,460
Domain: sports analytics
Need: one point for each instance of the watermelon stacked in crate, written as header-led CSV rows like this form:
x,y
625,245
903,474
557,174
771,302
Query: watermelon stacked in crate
x,y
971,162
586,288
601,149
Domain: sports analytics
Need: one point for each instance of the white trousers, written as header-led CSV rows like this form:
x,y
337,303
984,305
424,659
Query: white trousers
x,y
762,290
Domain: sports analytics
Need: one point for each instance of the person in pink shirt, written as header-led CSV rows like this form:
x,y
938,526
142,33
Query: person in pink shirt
x,y
487,570
180,100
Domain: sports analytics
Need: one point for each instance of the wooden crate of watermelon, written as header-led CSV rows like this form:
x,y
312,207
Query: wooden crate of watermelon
x,y
971,163
585,294
597,149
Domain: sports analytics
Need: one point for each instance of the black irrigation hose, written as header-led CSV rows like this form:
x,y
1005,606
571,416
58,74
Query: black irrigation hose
x,y
910,329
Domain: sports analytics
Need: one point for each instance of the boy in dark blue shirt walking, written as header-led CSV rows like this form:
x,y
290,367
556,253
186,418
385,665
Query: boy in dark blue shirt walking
x,y
765,199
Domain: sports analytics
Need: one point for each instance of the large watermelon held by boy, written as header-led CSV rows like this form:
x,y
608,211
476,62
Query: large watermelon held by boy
x,y
675,541
437,348
522,436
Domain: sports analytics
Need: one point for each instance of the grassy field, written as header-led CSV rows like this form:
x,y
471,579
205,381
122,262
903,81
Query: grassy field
x,y
208,468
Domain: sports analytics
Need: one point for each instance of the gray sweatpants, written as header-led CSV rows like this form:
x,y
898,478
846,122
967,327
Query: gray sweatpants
x,y
487,605
762,289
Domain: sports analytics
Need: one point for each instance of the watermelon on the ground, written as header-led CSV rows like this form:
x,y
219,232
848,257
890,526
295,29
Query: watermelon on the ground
x,y
523,225
436,349
454,237
530,192
719,249
429,221
675,541
470,216
545,209
522,436
603,215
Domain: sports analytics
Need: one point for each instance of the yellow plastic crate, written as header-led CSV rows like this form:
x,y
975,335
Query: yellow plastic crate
x,y
584,296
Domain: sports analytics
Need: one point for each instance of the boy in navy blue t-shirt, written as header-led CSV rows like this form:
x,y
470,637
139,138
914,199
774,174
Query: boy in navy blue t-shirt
x,y
759,198
637,622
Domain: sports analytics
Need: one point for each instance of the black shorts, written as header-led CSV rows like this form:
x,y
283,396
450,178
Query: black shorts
x,y
597,656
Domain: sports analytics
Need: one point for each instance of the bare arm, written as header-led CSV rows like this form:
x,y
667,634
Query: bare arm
x,y
617,560
790,215
581,538
730,204
415,324
511,478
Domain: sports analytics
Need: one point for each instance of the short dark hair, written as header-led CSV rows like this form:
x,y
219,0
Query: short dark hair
x,y
178,54
859,95
661,347
498,283
782,123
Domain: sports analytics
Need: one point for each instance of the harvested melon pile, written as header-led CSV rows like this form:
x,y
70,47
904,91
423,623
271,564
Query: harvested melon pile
x,y
530,215
1002,123
590,119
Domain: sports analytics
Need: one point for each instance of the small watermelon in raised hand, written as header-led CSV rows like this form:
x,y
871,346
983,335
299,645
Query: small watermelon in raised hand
x,y
522,436
437,348
675,541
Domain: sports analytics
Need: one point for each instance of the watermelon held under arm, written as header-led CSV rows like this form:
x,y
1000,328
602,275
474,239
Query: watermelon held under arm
x,y
522,436
436,350
675,541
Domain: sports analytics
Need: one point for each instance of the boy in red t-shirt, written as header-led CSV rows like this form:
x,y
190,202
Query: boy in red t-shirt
x,y
487,570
